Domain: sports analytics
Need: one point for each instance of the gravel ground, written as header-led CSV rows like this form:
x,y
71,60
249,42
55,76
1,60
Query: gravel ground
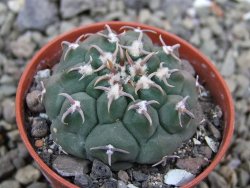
x,y
220,30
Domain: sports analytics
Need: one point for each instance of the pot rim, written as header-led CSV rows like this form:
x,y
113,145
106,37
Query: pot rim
x,y
22,90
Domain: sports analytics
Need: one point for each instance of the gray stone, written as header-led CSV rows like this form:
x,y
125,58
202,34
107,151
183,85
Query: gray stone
x,y
209,47
188,23
6,27
9,114
6,91
243,85
144,15
139,176
206,34
10,184
173,9
66,26
7,79
231,83
70,166
192,165
217,180
229,174
243,178
6,167
69,9
83,180
37,15
206,151
27,175
39,128
244,60
154,5
121,184
117,15
18,162
123,175
228,67
135,4
38,185
32,101
202,185
23,47
14,135
195,39
215,132
240,31
100,170
110,183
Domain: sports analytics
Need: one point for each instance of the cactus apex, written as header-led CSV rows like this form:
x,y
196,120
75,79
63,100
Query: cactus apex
x,y
145,83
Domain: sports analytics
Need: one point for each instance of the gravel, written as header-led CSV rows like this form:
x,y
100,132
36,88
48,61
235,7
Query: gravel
x,y
225,40
27,175
69,166
37,15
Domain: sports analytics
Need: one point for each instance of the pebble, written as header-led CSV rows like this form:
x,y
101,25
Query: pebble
x,y
155,5
7,91
100,170
70,166
217,180
228,67
27,175
39,128
23,47
229,174
110,183
144,15
10,184
123,175
192,165
37,15
39,143
243,178
9,110
202,185
139,176
206,151
240,31
121,184
6,27
83,180
33,103
205,34
215,132
38,185
69,9
14,135
6,167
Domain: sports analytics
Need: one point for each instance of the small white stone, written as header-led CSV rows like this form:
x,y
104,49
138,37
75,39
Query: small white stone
x,y
178,177
212,144
196,142
202,3
43,74
131,186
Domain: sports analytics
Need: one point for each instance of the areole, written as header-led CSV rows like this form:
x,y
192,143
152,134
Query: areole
x,y
50,54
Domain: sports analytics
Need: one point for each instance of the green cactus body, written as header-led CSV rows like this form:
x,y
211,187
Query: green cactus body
x,y
120,98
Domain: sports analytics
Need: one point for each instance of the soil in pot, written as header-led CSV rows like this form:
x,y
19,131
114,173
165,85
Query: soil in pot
x,y
191,157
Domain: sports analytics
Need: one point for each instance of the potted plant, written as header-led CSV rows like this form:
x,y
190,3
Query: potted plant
x,y
146,87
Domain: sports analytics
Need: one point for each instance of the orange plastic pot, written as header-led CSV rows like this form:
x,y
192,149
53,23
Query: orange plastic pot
x,y
51,52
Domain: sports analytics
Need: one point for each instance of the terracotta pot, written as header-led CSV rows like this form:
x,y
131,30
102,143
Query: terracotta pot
x,y
51,52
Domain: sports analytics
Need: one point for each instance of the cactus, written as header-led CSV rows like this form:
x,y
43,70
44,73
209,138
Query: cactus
x,y
120,98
